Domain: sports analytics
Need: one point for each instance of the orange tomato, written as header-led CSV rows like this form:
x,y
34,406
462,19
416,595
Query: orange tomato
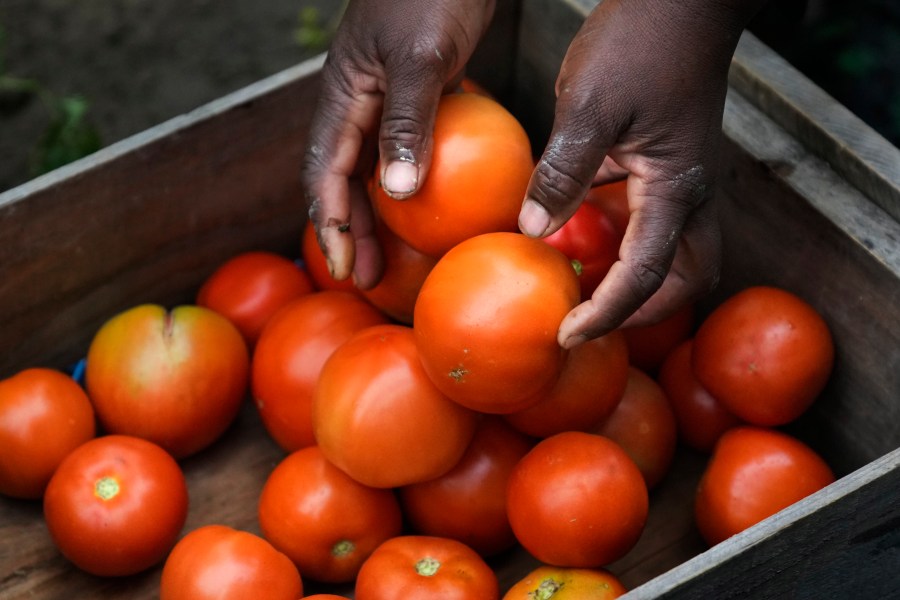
x,y
591,383
480,168
487,317
249,288
765,354
326,522
577,500
44,415
289,357
560,583
753,473
643,424
379,418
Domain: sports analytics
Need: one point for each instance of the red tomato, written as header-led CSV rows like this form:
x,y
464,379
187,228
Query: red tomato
x,y
753,473
481,164
317,267
216,562
648,346
562,583
116,505
44,415
577,500
176,378
701,419
590,238
468,503
589,387
487,317
324,597
324,521
643,424
289,357
377,416
405,270
612,199
424,568
248,288
765,354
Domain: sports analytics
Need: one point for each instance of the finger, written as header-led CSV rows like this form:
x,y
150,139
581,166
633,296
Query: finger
x,y
609,172
345,113
410,105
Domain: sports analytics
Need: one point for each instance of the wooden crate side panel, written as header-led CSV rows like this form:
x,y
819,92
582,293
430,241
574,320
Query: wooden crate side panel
x,y
147,219
855,150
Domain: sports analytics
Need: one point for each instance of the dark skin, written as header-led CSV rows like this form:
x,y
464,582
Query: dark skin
x,y
640,95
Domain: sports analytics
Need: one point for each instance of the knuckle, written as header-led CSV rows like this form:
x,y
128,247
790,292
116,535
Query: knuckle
x,y
558,181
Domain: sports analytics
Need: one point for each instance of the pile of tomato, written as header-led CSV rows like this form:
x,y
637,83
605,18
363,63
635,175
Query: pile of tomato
x,y
442,386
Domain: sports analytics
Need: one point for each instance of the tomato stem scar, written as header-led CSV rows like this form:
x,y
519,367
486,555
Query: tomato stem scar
x,y
428,566
106,488
546,590
343,548
458,374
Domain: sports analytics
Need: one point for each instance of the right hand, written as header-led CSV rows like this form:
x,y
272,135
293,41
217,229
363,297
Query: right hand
x,y
388,65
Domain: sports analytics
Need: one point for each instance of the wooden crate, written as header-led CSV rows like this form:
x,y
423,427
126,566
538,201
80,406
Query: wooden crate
x,y
809,202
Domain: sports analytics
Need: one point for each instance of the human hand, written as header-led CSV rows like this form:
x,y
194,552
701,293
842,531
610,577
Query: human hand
x,y
388,64
641,94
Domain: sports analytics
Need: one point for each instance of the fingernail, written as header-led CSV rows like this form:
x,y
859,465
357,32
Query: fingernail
x,y
533,219
400,178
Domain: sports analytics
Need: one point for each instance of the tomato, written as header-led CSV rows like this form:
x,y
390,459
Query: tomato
x,y
470,85
753,473
649,345
481,164
612,199
577,500
248,288
115,505
424,568
324,521
765,354
468,503
176,378
44,415
377,416
561,583
487,317
701,419
324,597
316,266
289,357
405,270
590,385
216,562
590,238
643,424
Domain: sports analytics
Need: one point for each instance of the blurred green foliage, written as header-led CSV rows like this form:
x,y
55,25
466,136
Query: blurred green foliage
x,y
315,30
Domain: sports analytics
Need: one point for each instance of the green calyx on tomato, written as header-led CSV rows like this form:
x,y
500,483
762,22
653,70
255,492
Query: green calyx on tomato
x,y
428,567
343,548
547,589
579,268
106,488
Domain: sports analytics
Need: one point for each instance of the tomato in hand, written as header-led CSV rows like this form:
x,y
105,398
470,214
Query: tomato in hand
x,y
248,288
481,164
701,419
116,505
765,354
561,583
487,317
589,387
216,562
590,238
378,417
649,345
753,473
176,378
405,270
323,520
643,424
468,503
577,500
289,357
416,567
44,415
